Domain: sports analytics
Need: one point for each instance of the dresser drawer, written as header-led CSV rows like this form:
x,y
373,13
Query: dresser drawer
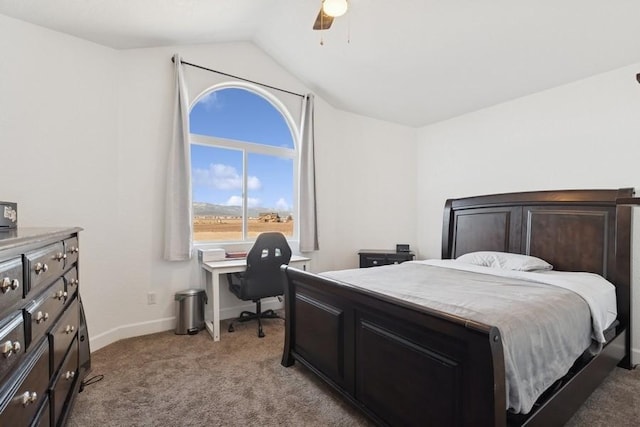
x,y
373,261
71,249
20,406
398,258
44,265
10,283
12,343
42,312
71,282
64,381
378,257
63,333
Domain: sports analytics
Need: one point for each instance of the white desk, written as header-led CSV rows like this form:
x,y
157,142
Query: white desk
x,y
211,272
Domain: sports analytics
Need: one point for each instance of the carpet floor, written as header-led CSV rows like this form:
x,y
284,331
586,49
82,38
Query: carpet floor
x,y
166,379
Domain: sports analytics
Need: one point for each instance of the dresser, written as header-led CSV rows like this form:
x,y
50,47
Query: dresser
x,y
44,345
378,257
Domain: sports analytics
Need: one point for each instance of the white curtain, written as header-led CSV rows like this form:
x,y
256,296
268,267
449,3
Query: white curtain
x,y
178,225
308,217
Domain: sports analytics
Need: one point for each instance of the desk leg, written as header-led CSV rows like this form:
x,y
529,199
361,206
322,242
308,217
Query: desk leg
x,y
216,307
212,311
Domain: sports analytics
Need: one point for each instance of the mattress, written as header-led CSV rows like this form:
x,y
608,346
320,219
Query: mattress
x,y
546,319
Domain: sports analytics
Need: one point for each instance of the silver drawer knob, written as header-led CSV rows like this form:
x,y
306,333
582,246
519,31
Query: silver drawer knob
x,y
28,397
74,282
60,256
60,295
10,347
73,250
69,329
69,375
375,263
41,317
9,284
41,268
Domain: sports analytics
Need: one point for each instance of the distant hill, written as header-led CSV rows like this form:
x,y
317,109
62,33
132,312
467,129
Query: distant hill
x,y
209,209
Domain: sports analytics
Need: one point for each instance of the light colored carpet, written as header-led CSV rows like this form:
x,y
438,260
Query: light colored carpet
x,y
616,403
179,380
165,379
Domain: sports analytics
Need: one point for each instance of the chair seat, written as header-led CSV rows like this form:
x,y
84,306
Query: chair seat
x,y
235,289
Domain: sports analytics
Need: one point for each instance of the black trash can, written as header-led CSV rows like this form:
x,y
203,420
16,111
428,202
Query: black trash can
x,y
190,311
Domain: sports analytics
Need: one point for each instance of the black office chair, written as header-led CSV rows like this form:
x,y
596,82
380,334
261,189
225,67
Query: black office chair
x,y
262,278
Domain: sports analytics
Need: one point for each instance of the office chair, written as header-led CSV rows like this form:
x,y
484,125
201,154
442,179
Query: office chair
x,y
262,278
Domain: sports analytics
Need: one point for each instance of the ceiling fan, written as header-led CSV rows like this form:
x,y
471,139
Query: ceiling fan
x,y
329,10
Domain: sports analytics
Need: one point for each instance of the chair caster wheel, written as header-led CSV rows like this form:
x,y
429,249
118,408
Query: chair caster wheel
x,y
231,329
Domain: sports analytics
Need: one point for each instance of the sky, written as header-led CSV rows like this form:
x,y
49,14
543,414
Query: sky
x,y
217,172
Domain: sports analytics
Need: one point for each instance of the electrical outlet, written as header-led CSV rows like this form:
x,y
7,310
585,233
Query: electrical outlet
x,y
152,298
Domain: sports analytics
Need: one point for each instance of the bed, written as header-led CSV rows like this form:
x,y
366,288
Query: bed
x,y
403,363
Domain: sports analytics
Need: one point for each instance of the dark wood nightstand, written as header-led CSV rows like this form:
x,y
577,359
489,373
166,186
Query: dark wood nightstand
x,y
378,257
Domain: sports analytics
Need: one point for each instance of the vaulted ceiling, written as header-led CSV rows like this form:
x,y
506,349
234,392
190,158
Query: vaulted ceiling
x,y
412,62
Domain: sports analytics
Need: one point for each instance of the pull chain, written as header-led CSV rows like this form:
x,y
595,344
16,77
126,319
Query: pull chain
x,y
321,23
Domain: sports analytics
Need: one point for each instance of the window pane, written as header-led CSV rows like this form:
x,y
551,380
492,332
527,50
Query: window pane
x,y
270,194
240,115
217,193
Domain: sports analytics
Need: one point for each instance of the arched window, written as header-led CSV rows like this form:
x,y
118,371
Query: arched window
x,y
243,166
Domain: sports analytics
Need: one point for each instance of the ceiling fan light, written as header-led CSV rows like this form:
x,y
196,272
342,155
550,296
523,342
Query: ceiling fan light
x,y
335,8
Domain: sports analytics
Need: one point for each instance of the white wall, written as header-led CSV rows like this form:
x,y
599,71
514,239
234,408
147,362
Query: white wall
x,y
59,148
85,132
366,187
582,135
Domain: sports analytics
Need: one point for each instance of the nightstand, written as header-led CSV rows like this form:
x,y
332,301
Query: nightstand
x,y
378,257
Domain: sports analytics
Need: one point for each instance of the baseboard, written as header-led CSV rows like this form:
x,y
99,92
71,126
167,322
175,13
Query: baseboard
x,y
160,325
128,331
635,356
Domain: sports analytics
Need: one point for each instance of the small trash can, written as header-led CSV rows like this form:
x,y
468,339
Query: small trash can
x,y
190,311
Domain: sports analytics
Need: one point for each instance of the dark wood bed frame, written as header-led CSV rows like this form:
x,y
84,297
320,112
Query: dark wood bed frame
x,y
404,364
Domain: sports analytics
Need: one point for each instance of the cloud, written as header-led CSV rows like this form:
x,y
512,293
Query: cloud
x,y
223,177
211,101
237,201
253,182
234,201
282,204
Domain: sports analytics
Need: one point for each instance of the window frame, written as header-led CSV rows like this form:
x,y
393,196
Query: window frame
x,y
247,147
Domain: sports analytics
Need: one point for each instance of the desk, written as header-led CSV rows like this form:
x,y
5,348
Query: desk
x,y
211,272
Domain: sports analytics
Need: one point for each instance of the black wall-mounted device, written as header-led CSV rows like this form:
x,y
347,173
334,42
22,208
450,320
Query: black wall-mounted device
x,y
8,215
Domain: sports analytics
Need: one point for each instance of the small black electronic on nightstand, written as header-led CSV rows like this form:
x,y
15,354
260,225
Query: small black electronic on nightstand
x,y
402,248
8,215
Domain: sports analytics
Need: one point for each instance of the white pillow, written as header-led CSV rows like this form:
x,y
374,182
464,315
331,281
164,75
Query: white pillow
x,y
505,260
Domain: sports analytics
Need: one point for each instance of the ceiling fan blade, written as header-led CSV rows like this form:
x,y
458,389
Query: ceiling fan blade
x,y
323,21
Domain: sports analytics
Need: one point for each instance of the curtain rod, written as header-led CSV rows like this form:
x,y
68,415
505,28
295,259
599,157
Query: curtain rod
x,y
236,77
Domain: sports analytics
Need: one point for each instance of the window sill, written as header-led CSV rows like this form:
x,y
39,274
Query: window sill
x,y
238,246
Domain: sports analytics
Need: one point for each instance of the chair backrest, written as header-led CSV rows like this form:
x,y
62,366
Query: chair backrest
x,y
263,277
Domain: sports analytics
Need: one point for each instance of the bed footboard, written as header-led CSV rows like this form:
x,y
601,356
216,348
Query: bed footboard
x,y
400,363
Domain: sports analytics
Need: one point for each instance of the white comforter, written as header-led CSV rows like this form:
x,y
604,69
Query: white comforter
x,y
546,319
599,293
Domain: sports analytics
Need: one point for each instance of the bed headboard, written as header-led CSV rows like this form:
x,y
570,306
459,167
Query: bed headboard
x,y
574,230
